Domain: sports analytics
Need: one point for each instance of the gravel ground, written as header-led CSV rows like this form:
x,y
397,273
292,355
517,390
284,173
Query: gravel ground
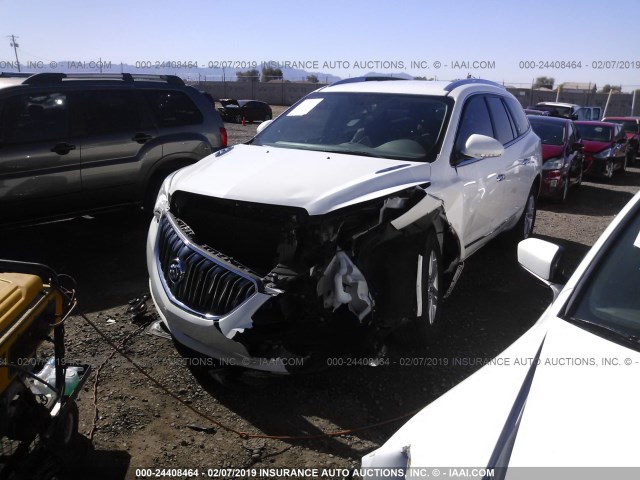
x,y
139,426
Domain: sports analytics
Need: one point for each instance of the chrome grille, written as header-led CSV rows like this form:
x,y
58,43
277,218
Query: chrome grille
x,y
205,287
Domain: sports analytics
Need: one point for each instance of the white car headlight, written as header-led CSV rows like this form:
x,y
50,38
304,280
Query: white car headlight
x,y
553,164
606,153
162,200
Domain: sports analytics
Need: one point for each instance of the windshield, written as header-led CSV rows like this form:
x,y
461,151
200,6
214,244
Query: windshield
x,y
404,127
595,133
630,127
549,133
612,296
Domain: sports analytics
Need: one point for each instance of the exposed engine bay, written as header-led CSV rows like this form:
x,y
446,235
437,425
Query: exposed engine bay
x,y
336,283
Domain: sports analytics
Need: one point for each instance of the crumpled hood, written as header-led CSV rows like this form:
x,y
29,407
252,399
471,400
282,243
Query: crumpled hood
x,y
319,182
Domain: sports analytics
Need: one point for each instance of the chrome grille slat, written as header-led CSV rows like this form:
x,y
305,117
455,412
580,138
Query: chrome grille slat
x,y
207,288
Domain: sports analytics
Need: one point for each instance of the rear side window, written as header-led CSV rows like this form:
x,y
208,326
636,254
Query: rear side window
x,y
35,117
110,111
172,108
501,123
517,114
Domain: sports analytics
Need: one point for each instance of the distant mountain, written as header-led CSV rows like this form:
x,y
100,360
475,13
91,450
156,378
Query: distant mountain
x,y
186,72
164,68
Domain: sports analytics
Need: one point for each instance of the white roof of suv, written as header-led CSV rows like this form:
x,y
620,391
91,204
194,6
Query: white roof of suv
x,y
415,87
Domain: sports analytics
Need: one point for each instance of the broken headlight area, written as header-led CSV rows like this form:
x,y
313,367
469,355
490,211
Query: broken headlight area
x,y
337,283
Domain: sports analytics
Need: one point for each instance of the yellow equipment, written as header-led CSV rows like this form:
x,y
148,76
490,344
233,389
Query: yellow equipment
x,y
37,406
28,310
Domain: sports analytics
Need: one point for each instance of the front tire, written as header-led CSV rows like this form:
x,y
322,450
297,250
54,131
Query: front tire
x,y
608,169
425,328
565,190
579,181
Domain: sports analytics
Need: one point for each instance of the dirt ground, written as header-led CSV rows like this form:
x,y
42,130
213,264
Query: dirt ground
x,y
140,427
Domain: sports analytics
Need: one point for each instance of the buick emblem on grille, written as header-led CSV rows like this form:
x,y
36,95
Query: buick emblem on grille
x,y
176,271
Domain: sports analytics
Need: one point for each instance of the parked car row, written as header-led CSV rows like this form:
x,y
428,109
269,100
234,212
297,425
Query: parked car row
x,y
574,149
566,110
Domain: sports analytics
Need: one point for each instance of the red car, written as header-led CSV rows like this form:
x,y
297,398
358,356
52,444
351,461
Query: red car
x,y
631,128
561,155
605,148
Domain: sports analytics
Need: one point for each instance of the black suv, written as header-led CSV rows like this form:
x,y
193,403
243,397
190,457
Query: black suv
x,y
75,144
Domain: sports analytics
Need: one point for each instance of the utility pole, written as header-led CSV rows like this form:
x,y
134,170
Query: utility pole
x,y
15,46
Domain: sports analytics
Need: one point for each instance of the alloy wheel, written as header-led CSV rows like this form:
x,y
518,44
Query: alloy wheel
x,y
432,288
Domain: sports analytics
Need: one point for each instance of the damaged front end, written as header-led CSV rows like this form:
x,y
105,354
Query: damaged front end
x,y
285,284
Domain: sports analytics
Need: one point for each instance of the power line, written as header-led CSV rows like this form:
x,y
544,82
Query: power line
x,y
15,46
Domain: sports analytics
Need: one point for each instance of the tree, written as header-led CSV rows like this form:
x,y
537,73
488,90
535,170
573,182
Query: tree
x,y
248,76
269,73
607,88
544,82
312,78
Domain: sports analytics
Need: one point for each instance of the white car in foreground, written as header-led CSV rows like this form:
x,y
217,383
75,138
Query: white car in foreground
x,y
565,394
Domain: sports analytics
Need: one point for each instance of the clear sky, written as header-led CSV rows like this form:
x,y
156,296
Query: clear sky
x,y
368,32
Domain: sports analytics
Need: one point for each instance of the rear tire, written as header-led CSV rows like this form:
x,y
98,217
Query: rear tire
x,y
524,227
425,328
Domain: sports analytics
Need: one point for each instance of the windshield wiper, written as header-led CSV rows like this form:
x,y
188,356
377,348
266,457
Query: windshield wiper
x,y
352,152
629,338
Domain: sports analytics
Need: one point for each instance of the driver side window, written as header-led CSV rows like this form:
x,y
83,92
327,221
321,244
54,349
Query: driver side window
x,y
475,119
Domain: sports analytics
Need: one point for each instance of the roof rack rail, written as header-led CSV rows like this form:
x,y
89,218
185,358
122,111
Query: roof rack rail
x,y
49,77
15,74
365,79
468,81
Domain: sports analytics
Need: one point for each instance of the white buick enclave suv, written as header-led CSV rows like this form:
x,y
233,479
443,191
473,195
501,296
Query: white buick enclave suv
x,y
345,219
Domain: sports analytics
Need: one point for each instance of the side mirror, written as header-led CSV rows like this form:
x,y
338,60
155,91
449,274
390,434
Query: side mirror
x,y
263,125
481,146
543,260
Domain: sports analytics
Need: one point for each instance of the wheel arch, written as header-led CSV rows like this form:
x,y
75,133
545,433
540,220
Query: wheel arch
x,y
156,175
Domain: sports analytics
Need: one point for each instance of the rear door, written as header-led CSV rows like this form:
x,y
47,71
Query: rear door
x,y
39,156
508,166
251,111
117,137
521,158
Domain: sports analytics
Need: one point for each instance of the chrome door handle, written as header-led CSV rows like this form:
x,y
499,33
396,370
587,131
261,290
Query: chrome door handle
x,y
500,177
